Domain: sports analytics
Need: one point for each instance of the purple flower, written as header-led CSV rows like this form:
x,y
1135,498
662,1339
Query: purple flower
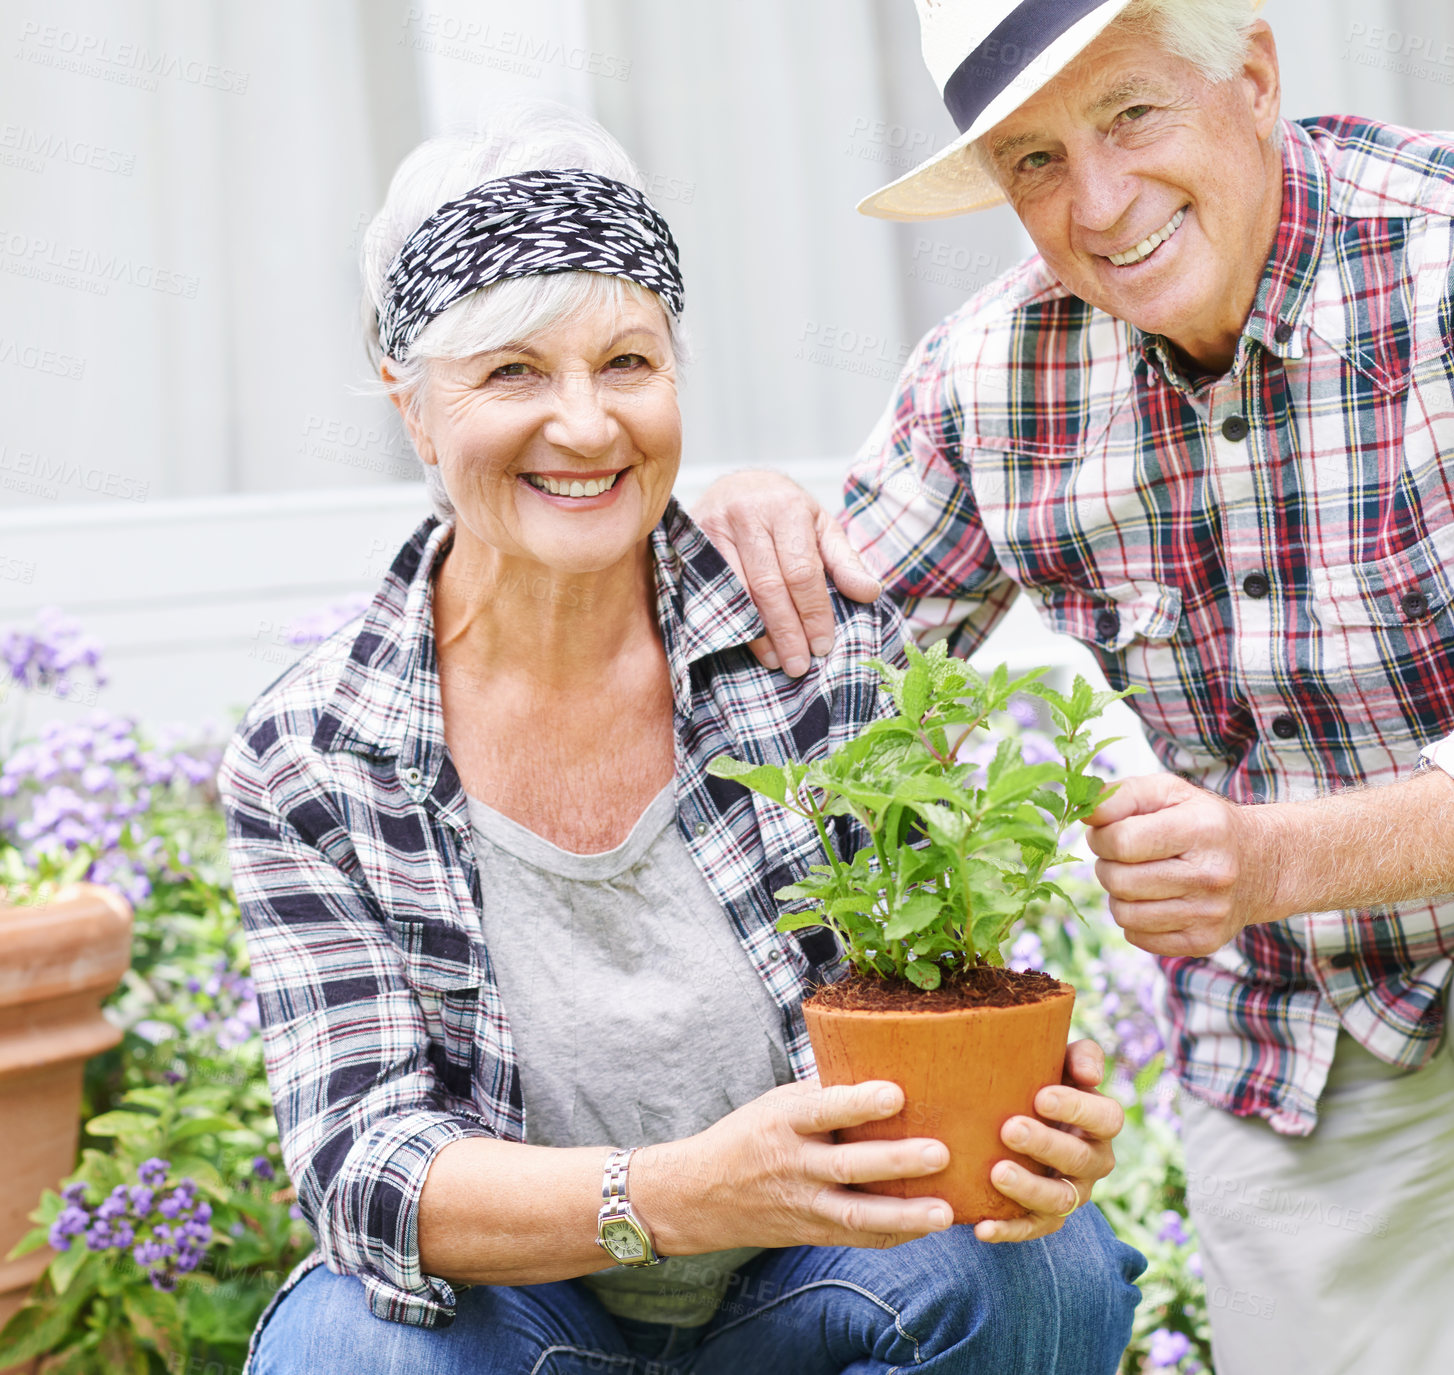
x,y
262,1169
180,1200
40,657
75,1193
295,1212
72,1221
153,1172
316,627
1168,1348
1023,712
99,1237
1027,952
1173,1228
1194,1265
150,1252
141,1199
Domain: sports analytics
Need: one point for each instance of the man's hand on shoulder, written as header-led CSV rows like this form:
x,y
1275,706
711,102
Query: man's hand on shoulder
x,y
779,541
1186,870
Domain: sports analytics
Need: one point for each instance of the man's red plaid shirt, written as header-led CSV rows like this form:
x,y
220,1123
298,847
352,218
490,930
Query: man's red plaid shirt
x,y
1269,554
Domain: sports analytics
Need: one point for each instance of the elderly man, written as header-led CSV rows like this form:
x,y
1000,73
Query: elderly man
x,y
1204,429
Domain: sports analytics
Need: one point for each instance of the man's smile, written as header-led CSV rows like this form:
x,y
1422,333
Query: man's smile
x,y
1140,252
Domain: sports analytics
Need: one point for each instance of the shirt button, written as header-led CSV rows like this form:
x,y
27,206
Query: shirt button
x,y
1414,605
1256,585
701,828
1108,624
1235,428
1283,332
413,777
1345,960
1284,727
774,954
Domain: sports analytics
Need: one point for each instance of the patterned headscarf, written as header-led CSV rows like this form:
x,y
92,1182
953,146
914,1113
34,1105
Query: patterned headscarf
x,y
522,226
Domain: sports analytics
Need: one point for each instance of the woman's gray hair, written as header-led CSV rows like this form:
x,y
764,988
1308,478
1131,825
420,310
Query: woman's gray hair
x,y
525,136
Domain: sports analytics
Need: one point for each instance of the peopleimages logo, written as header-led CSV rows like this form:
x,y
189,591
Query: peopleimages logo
x,y
33,358
86,269
30,473
34,151
124,64
511,50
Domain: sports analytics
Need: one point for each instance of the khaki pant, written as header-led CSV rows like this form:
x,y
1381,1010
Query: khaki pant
x,y
1332,1254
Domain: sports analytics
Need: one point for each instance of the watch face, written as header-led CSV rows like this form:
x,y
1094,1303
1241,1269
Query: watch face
x,y
622,1240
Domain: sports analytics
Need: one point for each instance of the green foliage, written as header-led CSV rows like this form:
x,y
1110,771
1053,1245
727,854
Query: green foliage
x,y
187,1085
961,848
1144,1198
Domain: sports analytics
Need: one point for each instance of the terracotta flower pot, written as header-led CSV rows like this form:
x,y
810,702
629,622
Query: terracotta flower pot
x,y
964,1073
57,962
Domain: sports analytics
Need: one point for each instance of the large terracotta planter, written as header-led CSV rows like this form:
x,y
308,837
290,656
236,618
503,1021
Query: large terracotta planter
x,y
57,962
964,1074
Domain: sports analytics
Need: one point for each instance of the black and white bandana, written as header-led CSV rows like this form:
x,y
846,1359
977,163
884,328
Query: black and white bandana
x,y
522,226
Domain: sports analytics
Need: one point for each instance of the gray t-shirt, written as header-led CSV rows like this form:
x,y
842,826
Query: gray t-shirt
x,y
637,1015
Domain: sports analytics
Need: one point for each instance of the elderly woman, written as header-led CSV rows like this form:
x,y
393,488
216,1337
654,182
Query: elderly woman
x,y
536,1047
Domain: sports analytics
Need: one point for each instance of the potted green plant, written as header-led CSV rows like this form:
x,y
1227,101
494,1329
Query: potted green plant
x,y
963,837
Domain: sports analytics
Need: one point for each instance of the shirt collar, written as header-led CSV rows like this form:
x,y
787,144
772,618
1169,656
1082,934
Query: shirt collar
x,y
1276,320
387,699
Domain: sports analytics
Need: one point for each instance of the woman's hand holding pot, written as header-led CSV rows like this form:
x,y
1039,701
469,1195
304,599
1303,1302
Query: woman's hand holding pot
x,y
1074,1140
771,1174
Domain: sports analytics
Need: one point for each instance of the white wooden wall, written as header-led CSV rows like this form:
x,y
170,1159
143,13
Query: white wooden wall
x,y
184,464
193,599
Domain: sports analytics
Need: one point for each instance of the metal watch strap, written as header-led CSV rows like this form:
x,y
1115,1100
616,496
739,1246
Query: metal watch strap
x,y
616,1206
613,1185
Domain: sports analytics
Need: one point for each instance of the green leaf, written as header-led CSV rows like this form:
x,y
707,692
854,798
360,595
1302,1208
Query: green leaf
x,y
152,1096
914,698
798,921
767,779
33,1240
796,891
38,1327
155,1317
919,911
67,1265
122,1123
200,1126
1150,1075
1022,783
924,973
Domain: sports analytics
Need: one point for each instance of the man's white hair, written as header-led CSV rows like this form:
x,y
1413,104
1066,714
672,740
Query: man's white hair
x,y
524,136
1209,34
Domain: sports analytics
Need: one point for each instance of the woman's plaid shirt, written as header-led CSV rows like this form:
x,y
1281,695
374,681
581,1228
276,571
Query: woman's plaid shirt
x,y
1270,554
386,1038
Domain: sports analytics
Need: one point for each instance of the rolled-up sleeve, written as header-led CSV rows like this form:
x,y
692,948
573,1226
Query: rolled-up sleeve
x,y
1440,754
360,1112
912,516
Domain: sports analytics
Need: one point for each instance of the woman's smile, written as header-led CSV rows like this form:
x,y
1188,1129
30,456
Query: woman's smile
x,y
576,491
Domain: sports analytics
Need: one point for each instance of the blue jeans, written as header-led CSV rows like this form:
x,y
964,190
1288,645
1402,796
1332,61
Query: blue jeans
x,y
945,1303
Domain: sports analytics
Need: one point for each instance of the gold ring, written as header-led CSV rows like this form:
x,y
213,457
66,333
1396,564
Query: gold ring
x,y
1075,1202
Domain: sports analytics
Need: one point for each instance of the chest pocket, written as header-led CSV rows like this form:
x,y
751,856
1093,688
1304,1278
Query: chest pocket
x,y
444,971
1113,619
439,958
1409,589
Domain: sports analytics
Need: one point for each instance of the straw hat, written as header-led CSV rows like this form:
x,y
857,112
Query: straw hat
x,y
988,58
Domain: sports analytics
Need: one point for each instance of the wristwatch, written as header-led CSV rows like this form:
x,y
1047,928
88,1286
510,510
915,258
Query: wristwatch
x,y
619,1232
